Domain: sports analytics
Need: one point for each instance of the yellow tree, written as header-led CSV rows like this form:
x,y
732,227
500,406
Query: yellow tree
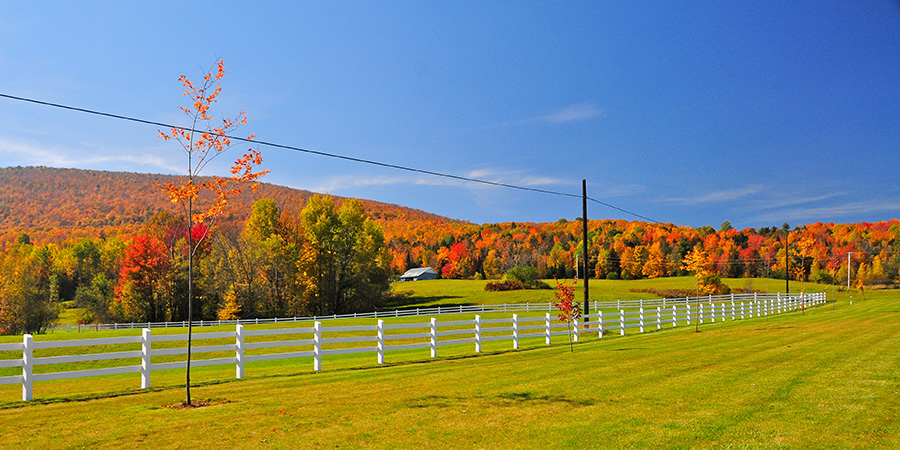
x,y
698,262
656,265
202,141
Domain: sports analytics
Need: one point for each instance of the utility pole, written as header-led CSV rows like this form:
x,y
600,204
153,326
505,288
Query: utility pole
x,y
584,245
787,263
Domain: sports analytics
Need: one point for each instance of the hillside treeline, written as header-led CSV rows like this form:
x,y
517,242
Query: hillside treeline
x,y
326,259
54,205
632,250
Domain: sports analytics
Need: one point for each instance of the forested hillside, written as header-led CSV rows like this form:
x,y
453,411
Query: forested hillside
x,y
52,205
113,244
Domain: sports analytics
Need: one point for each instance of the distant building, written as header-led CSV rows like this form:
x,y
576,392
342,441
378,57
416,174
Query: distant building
x,y
420,273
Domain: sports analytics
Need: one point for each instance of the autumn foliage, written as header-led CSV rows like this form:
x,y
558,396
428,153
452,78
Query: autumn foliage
x,y
569,311
206,143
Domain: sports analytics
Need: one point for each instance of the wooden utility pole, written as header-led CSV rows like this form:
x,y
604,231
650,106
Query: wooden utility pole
x,y
584,245
787,266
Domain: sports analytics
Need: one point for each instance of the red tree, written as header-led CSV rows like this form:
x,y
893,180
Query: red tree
x,y
203,141
568,308
141,292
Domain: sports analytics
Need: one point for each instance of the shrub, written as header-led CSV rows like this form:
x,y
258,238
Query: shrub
x,y
821,276
527,276
506,285
522,274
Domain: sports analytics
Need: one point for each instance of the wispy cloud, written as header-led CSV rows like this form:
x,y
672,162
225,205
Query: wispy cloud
x,y
786,201
335,184
719,196
620,190
43,155
574,113
829,213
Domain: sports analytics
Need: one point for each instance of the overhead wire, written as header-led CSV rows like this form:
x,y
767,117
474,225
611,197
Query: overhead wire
x,y
327,154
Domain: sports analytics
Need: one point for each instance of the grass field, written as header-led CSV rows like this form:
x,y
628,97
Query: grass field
x,y
470,292
829,378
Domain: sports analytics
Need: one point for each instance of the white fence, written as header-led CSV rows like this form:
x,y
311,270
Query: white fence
x,y
432,335
415,312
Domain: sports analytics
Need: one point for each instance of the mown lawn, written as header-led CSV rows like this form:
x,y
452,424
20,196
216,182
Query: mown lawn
x,y
829,378
471,292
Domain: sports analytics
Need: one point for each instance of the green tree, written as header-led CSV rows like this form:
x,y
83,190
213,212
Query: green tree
x,y
98,299
257,264
344,264
27,290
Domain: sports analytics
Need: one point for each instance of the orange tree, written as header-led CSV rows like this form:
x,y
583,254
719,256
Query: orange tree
x,y
568,308
202,200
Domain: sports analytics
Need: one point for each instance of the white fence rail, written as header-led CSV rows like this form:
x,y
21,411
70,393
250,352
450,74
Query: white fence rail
x,y
645,316
433,311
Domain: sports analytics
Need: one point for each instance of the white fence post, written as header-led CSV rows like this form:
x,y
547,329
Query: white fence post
x,y
742,310
381,340
658,318
700,314
433,337
515,330
477,334
239,351
547,331
622,322
688,314
27,365
146,339
642,318
575,335
733,309
317,346
600,324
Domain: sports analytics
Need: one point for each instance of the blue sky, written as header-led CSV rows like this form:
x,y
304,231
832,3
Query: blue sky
x,y
688,112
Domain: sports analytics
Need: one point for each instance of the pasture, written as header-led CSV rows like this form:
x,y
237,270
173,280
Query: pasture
x,y
828,378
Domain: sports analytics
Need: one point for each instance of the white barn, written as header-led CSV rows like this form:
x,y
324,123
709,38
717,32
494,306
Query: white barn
x,y
420,273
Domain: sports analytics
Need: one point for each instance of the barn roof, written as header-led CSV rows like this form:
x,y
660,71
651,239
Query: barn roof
x,y
411,273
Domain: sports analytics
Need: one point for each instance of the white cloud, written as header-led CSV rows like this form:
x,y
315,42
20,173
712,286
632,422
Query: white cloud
x,y
829,213
620,190
794,201
337,183
574,113
719,196
33,155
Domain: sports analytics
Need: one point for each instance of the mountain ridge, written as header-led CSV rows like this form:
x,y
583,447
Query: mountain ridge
x,y
53,204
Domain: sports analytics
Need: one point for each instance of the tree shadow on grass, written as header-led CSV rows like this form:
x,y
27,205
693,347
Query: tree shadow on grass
x,y
509,399
75,398
403,303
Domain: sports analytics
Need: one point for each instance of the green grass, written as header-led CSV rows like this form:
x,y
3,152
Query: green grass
x,y
471,292
69,314
829,378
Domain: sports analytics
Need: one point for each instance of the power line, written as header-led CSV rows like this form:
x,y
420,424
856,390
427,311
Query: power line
x,y
622,210
326,154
